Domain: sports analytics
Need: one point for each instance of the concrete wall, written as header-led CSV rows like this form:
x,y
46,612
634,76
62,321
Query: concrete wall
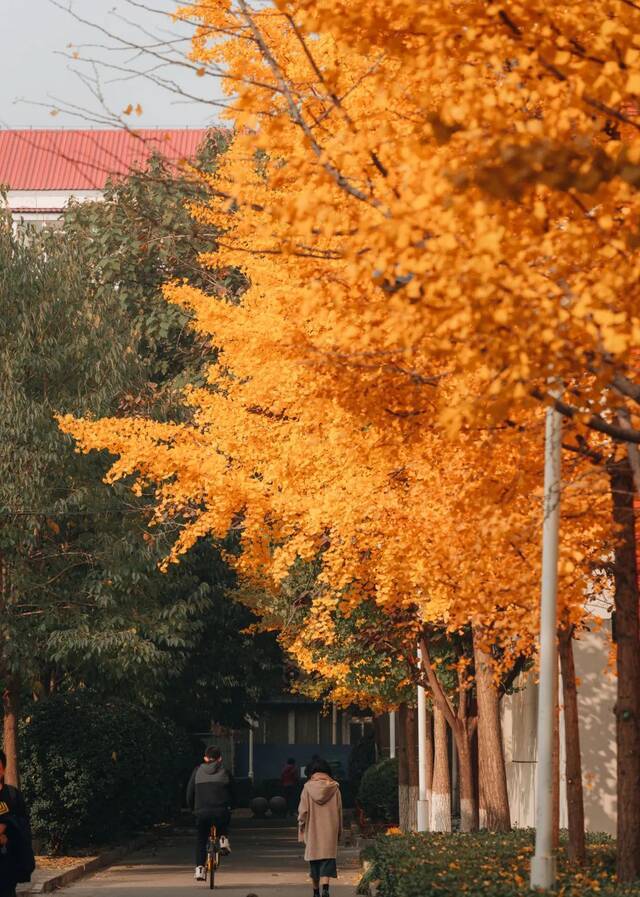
x,y
596,700
269,759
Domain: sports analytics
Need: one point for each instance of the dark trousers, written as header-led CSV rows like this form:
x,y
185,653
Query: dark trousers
x,y
290,793
204,820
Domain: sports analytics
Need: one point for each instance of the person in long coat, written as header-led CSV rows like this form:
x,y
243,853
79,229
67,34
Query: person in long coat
x,y
320,825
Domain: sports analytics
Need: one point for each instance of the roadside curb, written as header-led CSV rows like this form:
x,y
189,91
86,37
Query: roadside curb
x,y
61,879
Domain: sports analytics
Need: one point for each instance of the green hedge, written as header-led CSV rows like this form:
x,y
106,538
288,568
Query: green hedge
x,y
483,864
378,792
93,769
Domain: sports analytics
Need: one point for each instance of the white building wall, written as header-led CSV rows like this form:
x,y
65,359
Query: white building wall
x,y
596,701
45,205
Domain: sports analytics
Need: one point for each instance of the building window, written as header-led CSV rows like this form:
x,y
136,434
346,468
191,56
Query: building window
x,y
306,725
276,726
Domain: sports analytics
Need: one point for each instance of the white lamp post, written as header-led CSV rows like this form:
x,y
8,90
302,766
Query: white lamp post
x,y
543,863
250,773
423,803
392,734
253,724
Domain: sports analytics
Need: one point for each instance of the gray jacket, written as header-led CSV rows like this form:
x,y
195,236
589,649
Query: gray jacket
x,y
210,789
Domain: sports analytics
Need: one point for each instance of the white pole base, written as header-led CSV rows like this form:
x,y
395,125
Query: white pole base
x,y
543,873
423,815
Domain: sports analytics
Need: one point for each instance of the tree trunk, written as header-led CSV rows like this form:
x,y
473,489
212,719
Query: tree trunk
x,y
429,758
555,773
10,701
455,780
441,786
475,772
468,803
411,738
463,728
494,797
403,770
627,637
573,763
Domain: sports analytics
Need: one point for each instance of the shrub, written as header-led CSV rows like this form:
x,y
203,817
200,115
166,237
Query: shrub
x,y
93,769
378,792
458,865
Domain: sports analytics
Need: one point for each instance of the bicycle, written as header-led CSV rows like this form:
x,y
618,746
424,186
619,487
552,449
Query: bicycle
x,y
213,857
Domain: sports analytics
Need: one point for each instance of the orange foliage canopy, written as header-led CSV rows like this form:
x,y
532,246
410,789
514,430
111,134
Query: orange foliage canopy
x,y
436,206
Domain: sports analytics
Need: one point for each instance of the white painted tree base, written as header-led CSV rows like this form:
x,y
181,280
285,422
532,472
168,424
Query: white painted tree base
x,y
414,794
440,812
466,815
403,806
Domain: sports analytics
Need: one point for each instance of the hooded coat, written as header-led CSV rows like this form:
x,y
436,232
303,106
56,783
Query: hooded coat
x,y
211,788
320,817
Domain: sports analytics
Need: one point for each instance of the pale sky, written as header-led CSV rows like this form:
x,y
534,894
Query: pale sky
x,y
35,34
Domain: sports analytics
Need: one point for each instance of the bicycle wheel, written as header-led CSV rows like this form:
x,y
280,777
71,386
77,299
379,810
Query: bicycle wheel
x,y
212,856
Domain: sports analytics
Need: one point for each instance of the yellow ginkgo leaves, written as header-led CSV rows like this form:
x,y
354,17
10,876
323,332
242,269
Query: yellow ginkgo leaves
x,y
427,203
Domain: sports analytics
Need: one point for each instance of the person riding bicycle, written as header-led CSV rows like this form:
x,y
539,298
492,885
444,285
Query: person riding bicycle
x,y
211,796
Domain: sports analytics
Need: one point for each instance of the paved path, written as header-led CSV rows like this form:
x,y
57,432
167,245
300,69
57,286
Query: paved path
x,y
266,861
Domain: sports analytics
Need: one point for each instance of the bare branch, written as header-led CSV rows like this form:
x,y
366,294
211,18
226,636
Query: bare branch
x,y
330,93
296,116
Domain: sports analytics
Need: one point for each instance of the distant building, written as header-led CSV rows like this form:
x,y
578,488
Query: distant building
x,y
596,702
42,170
290,725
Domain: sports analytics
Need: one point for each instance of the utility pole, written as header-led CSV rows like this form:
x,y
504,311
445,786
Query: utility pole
x,y
392,734
250,772
253,725
423,803
543,863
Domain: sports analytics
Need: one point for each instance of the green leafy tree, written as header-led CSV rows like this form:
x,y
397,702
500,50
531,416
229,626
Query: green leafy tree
x,y
62,348
84,328
139,237
230,666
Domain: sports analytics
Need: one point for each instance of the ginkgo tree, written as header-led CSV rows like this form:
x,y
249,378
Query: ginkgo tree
x,y
406,543
436,208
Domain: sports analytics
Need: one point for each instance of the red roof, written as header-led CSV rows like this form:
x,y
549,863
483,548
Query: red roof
x,y
83,160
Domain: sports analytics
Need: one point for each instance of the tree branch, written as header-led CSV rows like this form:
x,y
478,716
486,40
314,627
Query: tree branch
x,y
594,422
626,387
434,683
517,34
632,450
296,116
